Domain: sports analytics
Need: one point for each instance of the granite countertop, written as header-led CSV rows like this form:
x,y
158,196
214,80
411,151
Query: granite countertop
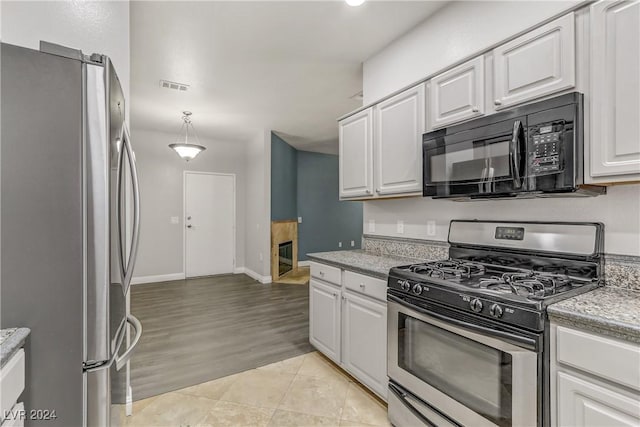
x,y
11,340
608,310
361,261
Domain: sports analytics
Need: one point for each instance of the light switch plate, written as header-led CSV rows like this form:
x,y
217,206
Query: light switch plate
x,y
353,243
372,226
339,244
299,220
400,228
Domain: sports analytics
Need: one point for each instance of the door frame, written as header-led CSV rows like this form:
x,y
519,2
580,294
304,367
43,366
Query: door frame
x,y
184,216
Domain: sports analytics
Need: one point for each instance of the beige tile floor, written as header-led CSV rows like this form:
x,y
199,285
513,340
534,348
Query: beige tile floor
x,y
307,390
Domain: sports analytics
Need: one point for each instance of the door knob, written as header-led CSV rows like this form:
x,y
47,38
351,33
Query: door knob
x,y
189,226
189,217
497,102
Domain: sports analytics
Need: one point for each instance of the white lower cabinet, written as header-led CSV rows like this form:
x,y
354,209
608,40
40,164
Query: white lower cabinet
x,y
348,324
364,337
583,403
324,318
595,379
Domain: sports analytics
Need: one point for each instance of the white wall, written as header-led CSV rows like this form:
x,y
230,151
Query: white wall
x,y
619,210
93,26
258,207
161,174
452,34
257,243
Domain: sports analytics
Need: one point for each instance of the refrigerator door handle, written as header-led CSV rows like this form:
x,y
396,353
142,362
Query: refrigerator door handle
x,y
93,366
127,266
122,360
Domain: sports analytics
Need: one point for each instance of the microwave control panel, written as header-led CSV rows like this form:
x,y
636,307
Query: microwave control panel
x,y
545,142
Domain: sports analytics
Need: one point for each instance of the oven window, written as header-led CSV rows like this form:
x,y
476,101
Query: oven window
x,y
475,375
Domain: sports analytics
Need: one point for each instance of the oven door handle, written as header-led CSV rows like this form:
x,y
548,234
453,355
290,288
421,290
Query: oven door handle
x,y
418,408
523,342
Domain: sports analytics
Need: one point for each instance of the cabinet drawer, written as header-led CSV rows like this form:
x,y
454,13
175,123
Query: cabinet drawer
x,y
11,382
594,354
326,273
366,285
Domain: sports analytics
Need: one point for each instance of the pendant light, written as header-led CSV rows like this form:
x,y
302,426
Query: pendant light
x,y
185,149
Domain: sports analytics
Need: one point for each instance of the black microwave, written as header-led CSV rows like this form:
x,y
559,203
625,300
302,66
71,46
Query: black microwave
x,y
528,151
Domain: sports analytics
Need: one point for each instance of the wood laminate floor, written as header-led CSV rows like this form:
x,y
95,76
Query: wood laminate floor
x,y
198,330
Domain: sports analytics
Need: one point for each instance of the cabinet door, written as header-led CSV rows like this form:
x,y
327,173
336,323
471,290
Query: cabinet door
x,y
324,319
457,94
399,125
585,404
356,155
538,63
615,85
364,338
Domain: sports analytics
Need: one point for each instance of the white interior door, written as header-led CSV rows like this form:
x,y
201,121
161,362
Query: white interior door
x,y
209,223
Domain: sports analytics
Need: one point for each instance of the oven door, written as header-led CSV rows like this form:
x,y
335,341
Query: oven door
x,y
472,377
479,162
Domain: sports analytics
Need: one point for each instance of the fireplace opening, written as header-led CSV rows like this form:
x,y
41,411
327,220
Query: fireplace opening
x,y
285,257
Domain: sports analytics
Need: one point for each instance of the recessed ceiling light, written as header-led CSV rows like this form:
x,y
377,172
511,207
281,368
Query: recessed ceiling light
x,y
354,2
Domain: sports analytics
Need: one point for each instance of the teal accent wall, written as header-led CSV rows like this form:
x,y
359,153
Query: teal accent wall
x,y
325,219
305,184
283,180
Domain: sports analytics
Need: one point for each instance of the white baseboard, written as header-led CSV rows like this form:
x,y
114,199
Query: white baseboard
x,y
265,280
158,278
304,263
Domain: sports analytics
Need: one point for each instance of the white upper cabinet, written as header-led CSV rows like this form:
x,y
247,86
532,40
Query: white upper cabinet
x,y
399,125
538,63
457,94
356,155
615,88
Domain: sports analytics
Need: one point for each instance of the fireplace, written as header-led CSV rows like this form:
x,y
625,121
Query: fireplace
x,y
284,247
285,257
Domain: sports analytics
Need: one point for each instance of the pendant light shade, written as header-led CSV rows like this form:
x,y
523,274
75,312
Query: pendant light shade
x,y
185,149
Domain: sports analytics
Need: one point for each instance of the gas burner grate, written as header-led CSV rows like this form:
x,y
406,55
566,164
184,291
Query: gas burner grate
x,y
450,269
529,284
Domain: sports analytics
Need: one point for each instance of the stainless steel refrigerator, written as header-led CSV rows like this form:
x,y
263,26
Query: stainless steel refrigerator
x,y
70,222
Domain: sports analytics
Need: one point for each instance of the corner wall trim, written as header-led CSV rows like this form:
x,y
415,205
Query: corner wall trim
x,y
265,280
159,278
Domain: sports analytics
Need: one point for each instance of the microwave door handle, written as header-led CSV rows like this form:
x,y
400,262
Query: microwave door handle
x,y
514,154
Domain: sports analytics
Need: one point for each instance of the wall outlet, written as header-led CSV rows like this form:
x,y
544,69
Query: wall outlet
x,y
339,244
299,220
175,220
353,243
400,227
431,228
372,226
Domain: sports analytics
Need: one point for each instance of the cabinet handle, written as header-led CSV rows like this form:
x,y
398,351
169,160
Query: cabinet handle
x,y
335,294
475,109
322,273
497,102
362,285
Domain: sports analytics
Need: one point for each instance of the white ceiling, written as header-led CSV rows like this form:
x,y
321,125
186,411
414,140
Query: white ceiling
x,y
287,66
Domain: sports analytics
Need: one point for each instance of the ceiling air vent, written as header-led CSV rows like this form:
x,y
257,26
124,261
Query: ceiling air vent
x,y
174,85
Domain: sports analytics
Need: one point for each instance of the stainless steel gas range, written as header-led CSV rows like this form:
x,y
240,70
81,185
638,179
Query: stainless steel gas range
x,y
468,337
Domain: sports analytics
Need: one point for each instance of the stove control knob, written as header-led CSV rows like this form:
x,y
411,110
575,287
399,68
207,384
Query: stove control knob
x,y
417,289
406,286
476,305
496,311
